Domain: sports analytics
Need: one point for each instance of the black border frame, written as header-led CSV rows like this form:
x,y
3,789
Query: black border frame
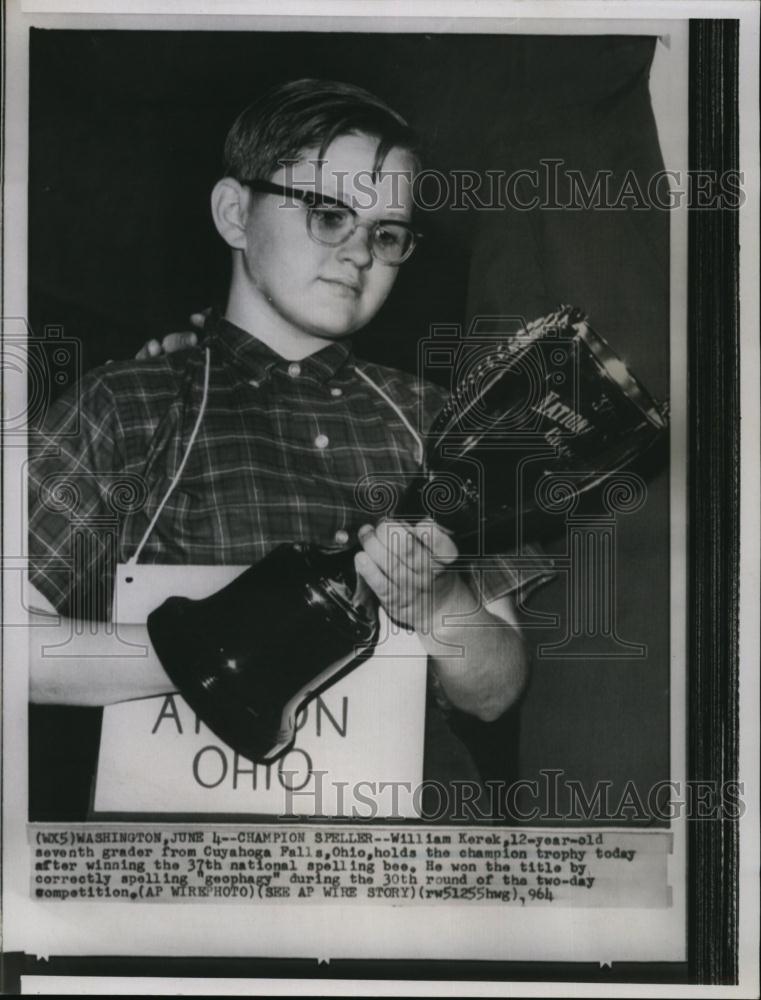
x,y
714,550
714,504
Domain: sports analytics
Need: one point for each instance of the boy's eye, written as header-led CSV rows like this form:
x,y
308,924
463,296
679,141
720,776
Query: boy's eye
x,y
331,218
390,235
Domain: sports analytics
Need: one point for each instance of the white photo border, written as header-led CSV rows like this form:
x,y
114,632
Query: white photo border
x,y
78,936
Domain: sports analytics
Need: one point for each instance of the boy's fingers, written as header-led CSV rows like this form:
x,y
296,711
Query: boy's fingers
x,y
149,350
172,342
392,546
179,341
396,533
437,541
198,319
375,551
371,574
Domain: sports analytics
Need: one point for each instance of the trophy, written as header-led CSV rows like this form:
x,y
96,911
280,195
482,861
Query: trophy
x,y
553,398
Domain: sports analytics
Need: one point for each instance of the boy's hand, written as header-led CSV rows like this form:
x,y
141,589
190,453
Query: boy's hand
x,y
404,565
173,341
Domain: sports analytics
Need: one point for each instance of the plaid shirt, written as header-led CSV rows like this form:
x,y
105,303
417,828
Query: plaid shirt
x,y
285,451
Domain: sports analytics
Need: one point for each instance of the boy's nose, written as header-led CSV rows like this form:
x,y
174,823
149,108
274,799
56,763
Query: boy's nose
x,y
357,247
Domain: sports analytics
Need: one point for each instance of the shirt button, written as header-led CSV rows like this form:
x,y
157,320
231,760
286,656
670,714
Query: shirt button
x,y
335,391
341,536
294,369
321,441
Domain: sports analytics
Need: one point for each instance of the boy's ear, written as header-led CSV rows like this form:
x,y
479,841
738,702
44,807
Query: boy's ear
x,y
229,209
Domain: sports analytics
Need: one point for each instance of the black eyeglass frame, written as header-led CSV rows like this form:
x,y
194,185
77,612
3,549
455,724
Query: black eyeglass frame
x,y
316,200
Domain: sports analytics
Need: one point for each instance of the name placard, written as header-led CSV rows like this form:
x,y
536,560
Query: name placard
x,y
358,750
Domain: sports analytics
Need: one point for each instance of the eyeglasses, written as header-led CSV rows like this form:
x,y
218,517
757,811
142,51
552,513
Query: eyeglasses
x,y
332,223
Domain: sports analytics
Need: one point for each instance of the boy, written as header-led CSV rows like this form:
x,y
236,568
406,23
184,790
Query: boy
x,y
262,433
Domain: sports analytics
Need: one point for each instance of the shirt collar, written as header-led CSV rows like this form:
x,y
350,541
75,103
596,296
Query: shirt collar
x,y
258,360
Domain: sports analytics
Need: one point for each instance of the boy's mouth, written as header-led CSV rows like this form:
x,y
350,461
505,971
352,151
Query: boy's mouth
x,y
343,286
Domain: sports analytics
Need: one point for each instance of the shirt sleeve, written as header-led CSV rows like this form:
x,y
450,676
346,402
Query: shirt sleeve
x,y
75,489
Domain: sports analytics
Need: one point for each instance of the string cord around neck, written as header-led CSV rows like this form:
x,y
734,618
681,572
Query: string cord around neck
x,y
397,409
178,473
197,426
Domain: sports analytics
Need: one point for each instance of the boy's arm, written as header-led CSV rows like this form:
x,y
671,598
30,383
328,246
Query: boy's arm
x,y
486,671
74,472
490,672
91,664
75,488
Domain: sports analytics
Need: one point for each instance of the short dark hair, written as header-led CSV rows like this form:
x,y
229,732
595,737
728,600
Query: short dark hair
x,y
295,116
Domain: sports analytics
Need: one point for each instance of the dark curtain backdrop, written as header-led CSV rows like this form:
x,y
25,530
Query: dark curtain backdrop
x,y
126,132
586,103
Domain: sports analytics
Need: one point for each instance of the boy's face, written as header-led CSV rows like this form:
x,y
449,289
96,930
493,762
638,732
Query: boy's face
x,y
326,291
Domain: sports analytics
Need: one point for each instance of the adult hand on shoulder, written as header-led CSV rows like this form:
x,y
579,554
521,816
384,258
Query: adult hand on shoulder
x,y
405,566
178,341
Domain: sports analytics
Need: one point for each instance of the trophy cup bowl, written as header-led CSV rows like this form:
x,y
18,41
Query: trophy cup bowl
x,y
551,399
